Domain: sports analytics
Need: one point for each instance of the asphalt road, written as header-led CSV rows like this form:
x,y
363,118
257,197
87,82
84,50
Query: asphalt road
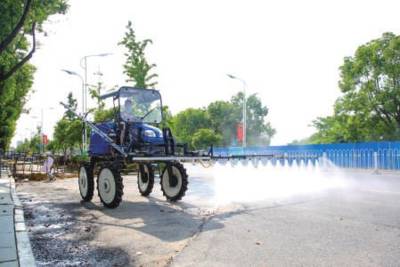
x,y
230,217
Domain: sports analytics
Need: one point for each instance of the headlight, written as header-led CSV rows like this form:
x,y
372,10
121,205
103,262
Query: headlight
x,y
149,133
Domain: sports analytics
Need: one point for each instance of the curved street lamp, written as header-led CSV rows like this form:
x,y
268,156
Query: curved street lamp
x,y
83,64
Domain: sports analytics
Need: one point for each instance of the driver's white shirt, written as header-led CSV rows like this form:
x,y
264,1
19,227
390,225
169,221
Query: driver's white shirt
x,y
127,115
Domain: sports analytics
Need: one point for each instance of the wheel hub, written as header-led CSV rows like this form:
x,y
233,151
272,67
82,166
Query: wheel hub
x,y
82,181
106,186
145,178
173,180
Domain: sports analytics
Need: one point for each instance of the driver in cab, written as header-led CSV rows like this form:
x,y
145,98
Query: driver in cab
x,y
127,117
127,111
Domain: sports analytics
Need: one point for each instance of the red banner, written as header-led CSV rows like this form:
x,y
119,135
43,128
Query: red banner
x,y
45,140
239,132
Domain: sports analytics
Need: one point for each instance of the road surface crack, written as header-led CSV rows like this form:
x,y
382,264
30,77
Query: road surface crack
x,y
206,219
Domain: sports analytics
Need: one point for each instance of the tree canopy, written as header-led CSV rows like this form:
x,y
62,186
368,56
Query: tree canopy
x,y
31,145
137,67
369,108
68,130
19,20
217,123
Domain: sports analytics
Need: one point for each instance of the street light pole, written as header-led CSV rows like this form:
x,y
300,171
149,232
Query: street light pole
x,y
41,127
69,72
84,66
244,144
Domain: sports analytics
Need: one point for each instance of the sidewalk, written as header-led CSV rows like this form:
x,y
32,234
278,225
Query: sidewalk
x,y
15,248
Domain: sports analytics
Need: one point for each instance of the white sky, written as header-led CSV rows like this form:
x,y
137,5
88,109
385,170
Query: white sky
x,y
288,52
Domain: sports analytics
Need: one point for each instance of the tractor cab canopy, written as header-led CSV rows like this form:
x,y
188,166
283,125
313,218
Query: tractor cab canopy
x,y
137,105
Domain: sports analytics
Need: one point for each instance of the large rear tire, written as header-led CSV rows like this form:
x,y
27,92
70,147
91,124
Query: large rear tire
x,y
86,182
175,186
110,187
145,179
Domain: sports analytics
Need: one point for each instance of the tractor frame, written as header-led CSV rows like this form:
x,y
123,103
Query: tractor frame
x,y
122,146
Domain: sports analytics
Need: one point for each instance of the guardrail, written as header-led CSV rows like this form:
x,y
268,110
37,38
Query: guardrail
x,y
25,165
369,155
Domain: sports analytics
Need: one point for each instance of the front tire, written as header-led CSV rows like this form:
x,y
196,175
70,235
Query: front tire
x,y
86,182
174,187
145,179
110,187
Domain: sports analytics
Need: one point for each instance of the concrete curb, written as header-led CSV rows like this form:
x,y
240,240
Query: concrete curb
x,y
24,250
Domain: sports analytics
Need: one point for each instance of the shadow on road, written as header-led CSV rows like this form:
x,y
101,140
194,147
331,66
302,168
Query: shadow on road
x,y
165,221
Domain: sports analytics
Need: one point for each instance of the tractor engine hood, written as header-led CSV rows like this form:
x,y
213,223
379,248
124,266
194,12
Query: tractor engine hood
x,y
149,133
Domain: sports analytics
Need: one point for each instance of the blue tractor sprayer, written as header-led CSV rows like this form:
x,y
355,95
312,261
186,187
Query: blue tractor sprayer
x,y
132,141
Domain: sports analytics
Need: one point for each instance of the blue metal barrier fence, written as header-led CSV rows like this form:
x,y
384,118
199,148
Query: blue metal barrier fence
x,y
371,155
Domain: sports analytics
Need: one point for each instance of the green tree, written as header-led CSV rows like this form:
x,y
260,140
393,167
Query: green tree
x,y
217,123
137,67
19,21
23,146
101,113
303,141
68,131
72,104
186,123
224,118
13,94
204,138
67,135
35,143
259,131
31,145
369,108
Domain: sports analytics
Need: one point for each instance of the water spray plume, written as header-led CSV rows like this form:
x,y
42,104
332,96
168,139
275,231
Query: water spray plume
x,y
234,181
